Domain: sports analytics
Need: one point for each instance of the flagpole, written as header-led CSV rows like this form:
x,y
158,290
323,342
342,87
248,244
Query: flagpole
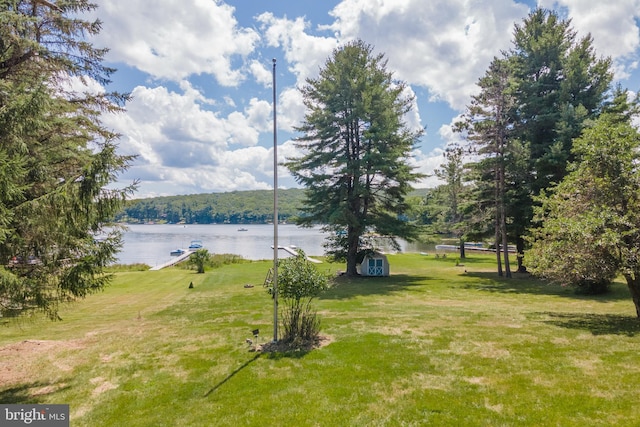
x,y
275,211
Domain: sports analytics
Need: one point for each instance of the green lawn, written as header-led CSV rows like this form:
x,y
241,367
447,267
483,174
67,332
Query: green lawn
x,y
434,344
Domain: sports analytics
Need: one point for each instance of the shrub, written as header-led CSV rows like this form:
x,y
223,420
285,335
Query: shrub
x,y
212,260
299,282
126,267
593,287
199,259
218,260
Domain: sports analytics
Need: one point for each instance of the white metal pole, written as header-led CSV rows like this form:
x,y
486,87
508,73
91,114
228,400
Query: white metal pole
x,y
275,211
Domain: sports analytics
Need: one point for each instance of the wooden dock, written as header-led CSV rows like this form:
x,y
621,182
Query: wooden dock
x,y
187,253
294,251
175,260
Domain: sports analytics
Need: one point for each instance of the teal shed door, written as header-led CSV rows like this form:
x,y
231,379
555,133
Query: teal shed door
x,y
375,267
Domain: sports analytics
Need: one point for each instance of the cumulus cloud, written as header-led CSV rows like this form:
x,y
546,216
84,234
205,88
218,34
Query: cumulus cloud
x,y
78,85
443,45
178,140
448,134
170,39
260,73
304,52
412,118
291,109
426,163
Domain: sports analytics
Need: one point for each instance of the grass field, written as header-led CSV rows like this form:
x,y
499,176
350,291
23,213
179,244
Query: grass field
x,y
434,344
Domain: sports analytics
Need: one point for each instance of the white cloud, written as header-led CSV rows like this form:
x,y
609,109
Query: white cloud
x,y
448,134
259,114
304,52
306,55
180,142
426,163
291,109
174,39
261,74
443,45
76,86
412,118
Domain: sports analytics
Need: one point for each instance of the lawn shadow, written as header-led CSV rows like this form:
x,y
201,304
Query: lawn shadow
x,y
275,355
232,374
524,283
597,324
289,354
348,287
31,392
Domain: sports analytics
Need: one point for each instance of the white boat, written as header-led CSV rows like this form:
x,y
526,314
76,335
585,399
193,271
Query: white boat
x,y
195,244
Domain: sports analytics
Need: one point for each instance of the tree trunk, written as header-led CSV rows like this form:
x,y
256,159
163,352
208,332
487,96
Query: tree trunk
x,y
505,242
462,253
352,252
633,283
520,254
498,258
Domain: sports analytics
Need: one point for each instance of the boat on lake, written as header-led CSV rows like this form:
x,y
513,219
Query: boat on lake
x,y
177,252
195,244
242,229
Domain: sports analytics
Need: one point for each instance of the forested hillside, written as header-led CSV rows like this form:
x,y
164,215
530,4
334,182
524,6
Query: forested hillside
x,y
238,207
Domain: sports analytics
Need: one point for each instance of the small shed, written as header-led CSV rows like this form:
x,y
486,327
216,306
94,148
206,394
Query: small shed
x,y
374,264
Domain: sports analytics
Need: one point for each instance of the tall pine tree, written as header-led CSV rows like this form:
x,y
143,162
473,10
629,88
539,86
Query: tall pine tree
x,y
58,161
556,84
561,84
488,123
356,147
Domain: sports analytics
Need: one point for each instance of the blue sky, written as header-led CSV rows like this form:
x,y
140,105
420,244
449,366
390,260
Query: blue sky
x,y
200,73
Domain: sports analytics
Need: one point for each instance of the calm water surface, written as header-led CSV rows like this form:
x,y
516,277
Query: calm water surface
x,y
152,244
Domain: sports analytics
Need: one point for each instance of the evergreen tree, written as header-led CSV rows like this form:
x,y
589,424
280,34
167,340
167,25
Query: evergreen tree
x,y
488,122
57,159
452,173
560,85
356,144
556,84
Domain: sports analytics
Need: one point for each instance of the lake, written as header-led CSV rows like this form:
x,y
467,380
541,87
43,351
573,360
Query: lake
x,y
151,244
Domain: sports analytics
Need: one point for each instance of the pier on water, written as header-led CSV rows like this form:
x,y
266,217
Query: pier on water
x,y
175,260
292,250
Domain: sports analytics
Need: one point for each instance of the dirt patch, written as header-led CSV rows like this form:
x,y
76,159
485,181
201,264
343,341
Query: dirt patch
x,y
102,385
18,360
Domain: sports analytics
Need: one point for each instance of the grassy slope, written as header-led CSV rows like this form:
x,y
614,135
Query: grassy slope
x,y
435,344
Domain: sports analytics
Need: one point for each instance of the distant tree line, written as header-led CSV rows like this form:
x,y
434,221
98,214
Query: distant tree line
x,y
237,207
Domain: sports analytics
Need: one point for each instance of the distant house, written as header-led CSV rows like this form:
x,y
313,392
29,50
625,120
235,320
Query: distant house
x,y
374,264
